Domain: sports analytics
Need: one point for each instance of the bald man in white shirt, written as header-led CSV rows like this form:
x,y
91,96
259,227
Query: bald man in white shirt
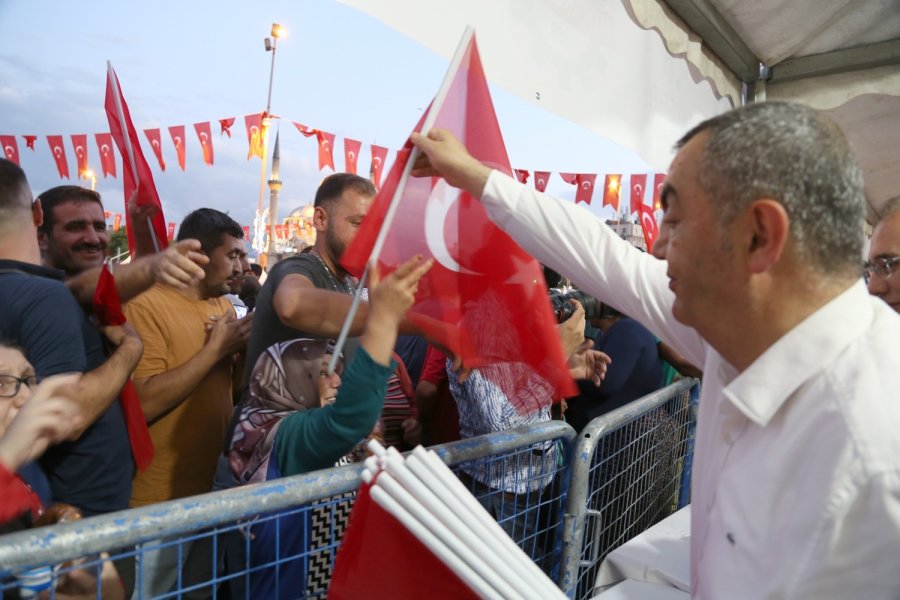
x,y
796,486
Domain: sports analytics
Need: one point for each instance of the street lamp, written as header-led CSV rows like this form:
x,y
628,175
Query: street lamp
x,y
271,46
89,174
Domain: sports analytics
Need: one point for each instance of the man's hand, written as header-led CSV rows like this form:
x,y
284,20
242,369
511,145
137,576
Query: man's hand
x,y
180,265
124,336
442,155
227,335
46,418
587,363
571,331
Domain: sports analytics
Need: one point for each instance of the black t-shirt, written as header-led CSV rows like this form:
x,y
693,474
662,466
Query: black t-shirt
x,y
94,472
268,328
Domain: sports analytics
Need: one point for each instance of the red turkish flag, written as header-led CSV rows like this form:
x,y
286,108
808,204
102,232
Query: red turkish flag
x,y
484,297
108,310
522,175
226,124
10,148
107,214
29,141
415,571
326,149
306,131
117,222
136,175
177,133
246,232
279,232
59,154
155,138
648,224
107,158
541,178
79,144
204,133
658,181
379,155
351,154
255,135
584,183
638,187
171,231
611,187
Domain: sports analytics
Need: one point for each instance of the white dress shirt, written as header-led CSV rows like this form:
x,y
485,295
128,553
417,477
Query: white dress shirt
x,y
796,477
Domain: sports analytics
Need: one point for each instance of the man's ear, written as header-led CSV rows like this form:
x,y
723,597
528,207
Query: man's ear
x,y
37,213
320,218
769,228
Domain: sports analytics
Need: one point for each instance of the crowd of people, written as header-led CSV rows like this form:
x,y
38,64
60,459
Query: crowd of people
x,y
755,283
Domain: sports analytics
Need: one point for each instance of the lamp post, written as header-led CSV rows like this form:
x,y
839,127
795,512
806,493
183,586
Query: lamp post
x,y
271,46
89,174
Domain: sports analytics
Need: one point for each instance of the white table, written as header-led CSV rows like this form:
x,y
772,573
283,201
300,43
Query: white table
x,y
654,564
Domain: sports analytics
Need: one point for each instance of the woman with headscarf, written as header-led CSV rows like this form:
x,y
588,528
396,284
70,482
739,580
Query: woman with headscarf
x,y
297,418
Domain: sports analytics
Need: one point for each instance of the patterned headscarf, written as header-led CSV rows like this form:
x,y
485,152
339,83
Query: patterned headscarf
x,y
284,381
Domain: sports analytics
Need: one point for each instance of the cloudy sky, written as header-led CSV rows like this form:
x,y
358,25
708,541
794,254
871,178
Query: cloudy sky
x,y
185,62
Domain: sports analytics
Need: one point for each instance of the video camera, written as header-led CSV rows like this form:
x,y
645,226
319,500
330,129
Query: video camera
x,y
563,309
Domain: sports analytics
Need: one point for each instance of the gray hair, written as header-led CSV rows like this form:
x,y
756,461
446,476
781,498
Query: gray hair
x,y
798,157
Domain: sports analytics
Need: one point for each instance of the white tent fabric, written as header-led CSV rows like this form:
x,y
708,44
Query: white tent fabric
x,y
584,60
636,73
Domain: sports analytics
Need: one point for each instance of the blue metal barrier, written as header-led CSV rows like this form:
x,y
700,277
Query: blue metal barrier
x,y
204,544
626,475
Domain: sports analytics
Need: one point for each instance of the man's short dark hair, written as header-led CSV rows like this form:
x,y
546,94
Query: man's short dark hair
x,y
333,187
59,195
257,269
12,181
208,225
797,156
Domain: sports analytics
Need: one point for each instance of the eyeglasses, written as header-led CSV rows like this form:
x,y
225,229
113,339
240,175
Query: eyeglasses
x,y
882,266
10,384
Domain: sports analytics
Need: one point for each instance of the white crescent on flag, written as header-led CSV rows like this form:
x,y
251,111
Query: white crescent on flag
x,y
79,151
585,185
155,144
541,183
57,151
439,204
203,137
254,131
352,155
104,149
10,152
639,190
377,161
177,141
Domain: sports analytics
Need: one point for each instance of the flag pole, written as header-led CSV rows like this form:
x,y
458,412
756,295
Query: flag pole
x,y
430,118
117,98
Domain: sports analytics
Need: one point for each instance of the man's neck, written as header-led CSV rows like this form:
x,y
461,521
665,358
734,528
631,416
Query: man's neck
x,y
23,248
776,313
329,261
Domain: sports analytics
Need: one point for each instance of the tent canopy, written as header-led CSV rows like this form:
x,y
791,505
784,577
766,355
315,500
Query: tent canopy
x,y
601,64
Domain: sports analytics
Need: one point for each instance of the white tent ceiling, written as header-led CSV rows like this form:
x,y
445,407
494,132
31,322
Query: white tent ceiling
x,y
641,72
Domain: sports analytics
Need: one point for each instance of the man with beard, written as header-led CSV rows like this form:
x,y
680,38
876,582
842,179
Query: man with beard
x,y
309,295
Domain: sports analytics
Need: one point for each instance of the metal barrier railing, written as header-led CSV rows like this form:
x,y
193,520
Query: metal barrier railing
x,y
208,540
625,475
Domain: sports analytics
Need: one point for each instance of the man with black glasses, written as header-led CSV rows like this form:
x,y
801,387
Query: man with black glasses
x,y
884,256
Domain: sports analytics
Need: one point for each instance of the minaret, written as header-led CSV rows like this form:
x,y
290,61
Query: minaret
x,y
274,188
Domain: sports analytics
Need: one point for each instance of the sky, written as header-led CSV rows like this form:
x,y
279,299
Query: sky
x,y
185,62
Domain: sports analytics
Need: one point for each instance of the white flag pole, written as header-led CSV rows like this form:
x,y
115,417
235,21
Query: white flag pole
x,y
129,151
430,118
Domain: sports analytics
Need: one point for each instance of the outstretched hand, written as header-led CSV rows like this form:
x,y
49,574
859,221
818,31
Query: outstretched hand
x,y
442,155
587,363
180,265
46,418
388,302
